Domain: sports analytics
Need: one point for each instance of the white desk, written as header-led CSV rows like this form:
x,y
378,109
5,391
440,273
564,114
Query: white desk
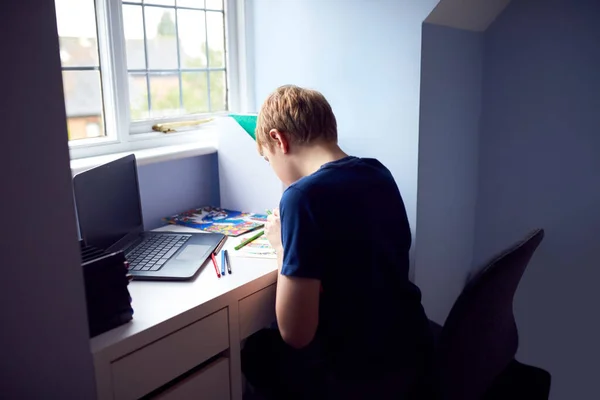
x,y
178,326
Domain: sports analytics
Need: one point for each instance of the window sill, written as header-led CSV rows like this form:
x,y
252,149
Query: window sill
x,y
148,156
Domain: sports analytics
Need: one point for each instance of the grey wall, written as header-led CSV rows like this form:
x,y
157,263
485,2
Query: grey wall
x,y
365,58
539,167
168,188
451,77
44,341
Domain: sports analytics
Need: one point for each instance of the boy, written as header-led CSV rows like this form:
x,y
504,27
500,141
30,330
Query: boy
x,y
350,323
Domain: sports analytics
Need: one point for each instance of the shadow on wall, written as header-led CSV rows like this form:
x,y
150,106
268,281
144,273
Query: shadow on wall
x,y
539,158
450,110
174,186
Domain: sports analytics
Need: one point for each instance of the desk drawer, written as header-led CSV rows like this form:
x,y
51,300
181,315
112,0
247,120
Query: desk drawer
x,y
210,383
257,311
160,362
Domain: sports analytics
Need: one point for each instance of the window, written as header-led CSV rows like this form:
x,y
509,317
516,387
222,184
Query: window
x,y
175,57
81,71
129,64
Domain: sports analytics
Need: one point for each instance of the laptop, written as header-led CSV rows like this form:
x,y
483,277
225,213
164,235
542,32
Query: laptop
x,y
109,211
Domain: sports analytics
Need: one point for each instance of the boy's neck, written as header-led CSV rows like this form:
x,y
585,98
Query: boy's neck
x,y
310,158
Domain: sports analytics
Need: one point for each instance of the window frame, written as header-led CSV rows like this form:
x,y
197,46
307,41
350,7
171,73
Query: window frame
x,y
122,135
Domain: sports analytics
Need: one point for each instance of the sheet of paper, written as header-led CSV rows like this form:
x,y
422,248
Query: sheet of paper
x,y
260,248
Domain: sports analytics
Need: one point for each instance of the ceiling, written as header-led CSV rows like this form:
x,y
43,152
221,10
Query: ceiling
x,y
472,15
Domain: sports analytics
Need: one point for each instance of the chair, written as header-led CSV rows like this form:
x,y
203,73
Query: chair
x,y
476,347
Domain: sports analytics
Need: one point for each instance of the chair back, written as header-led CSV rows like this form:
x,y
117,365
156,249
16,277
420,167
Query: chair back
x,y
479,338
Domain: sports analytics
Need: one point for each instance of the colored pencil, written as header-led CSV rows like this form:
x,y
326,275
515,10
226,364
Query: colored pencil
x,y
228,263
212,257
249,240
223,262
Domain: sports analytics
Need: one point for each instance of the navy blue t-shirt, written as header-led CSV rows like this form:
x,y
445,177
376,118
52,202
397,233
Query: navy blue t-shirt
x,y
346,225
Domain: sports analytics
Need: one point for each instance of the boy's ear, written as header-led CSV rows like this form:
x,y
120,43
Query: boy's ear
x,y
280,139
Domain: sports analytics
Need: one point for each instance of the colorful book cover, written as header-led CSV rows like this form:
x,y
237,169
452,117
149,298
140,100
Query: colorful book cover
x,y
219,220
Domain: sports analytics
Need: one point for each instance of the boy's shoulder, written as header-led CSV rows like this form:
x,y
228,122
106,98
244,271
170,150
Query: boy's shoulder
x,y
332,178
302,195
339,172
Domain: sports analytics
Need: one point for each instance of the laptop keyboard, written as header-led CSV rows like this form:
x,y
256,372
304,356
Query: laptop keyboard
x,y
154,252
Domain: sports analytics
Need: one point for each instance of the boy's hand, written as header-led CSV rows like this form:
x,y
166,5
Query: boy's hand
x,y
273,230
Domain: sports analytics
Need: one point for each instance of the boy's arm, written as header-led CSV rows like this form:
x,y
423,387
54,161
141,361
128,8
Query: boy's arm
x,y
297,308
299,260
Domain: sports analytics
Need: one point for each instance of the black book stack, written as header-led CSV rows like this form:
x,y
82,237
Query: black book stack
x,y
108,300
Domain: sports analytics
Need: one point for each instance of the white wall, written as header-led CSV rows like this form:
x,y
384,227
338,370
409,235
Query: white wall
x,y
365,57
45,351
250,185
451,77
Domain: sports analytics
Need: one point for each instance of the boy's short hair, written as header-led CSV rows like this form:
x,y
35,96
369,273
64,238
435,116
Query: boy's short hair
x,y
303,114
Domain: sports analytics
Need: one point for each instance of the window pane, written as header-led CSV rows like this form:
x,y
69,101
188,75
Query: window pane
x,y
190,3
192,38
133,26
164,95
174,88
83,102
216,39
218,91
214,4
161,36
161,2
195,95
138,97
76,23
93,129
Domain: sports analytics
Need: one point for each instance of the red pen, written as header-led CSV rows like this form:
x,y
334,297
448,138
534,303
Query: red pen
x,y
212,257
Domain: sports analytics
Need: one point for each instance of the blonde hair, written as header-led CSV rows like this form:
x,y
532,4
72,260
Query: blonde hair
x,y
303,114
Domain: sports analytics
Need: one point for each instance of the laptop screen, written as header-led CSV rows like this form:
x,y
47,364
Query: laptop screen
x,y
108,202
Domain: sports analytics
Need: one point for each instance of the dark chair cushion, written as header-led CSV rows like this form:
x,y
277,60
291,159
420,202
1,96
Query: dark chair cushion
x,y
436,331
520,382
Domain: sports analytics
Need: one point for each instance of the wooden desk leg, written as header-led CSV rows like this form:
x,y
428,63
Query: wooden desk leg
x,y
235,359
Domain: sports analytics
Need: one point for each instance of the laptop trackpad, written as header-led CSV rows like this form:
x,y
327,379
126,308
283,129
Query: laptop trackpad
x,y
193,252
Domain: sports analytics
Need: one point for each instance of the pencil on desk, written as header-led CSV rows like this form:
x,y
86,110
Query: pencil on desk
x,y
253,238
212,257
223,262
228,263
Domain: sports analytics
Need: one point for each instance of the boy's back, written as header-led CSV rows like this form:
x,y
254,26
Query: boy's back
x,y
346,225
350,324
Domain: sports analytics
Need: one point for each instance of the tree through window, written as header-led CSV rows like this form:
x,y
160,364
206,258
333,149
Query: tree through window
x,y
175,57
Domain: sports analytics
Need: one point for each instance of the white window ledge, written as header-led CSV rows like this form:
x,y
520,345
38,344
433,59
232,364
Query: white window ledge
x,y
148,156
